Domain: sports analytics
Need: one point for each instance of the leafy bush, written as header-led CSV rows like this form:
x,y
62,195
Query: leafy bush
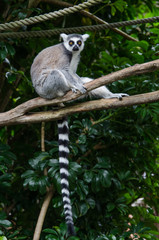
x,y
113,153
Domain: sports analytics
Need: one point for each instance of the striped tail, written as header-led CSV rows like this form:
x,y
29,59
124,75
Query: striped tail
x,y
63,134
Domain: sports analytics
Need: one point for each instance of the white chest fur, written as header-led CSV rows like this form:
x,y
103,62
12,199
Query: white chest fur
x,y
74,62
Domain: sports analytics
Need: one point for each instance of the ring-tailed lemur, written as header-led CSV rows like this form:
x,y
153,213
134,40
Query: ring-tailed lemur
x,y
53,73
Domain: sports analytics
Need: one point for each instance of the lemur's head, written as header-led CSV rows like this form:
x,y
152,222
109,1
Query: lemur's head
x,y
74,42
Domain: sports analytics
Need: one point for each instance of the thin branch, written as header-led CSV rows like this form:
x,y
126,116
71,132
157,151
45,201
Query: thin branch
x,y
42,214
49,193
17,115
91,16
96,147
43,136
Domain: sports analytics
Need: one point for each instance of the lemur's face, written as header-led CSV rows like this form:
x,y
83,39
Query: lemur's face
x,y
74,42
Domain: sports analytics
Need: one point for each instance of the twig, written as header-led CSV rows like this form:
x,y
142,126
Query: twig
x,y
96,147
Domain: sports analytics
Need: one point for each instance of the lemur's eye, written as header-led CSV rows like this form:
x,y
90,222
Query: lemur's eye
x,y
71,43
79,43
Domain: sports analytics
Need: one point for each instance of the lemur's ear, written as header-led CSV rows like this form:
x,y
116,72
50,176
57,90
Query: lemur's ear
x,y
85,36
64,36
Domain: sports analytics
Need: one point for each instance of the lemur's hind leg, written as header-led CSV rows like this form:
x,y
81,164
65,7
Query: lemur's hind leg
x,y
53,85
102,92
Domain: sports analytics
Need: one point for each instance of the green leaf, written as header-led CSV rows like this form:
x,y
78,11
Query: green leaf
x,y
14,234
74,149
107,57
28,173
75,167
102,238
103,162
53,163
10,49
3,238
83,209
110,206
119,4
11,78
3,54
39,162
154,30
91,202
143,44
82,189
52,173
113,10
88,176
105,178
24,237
73,238
82,139
57,202
76,124
117,183
112,237
96,184
5,223
51,231
51,237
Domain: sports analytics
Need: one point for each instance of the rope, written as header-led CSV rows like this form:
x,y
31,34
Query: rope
x,y
47,16
49,33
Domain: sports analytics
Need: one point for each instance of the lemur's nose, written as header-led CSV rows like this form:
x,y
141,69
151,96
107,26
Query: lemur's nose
x,y
75,48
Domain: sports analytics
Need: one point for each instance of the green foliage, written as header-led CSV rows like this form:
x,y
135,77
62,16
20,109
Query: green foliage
x,y
35,179
114,154
58,233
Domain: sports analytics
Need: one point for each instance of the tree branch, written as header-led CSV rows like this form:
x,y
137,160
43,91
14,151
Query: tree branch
x,y
42,214
18,115
84,107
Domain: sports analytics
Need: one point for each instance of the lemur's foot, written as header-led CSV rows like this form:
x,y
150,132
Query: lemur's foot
x,y
119,95
82,89
74,90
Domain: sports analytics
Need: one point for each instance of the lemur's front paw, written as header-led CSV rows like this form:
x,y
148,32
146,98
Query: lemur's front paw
x,y
73,90
83,89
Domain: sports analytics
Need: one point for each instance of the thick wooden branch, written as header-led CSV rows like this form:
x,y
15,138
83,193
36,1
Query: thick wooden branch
x,y
18,115
84,107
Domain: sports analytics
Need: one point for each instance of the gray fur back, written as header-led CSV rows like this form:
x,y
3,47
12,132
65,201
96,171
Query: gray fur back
x,y
54,57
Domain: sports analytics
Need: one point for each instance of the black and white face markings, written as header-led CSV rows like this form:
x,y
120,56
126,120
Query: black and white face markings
x,y
63,134
74,42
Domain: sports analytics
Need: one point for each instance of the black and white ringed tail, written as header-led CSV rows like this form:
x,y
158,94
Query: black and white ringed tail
x,y
63,139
